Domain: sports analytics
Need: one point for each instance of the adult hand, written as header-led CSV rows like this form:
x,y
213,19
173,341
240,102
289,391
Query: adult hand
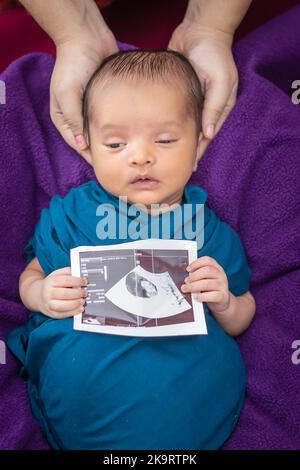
x,y
209,51
76,60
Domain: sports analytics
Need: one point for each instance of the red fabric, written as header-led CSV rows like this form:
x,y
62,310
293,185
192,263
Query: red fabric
x,y
7,4
147,24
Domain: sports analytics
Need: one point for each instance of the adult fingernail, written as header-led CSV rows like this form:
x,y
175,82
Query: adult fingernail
x,y
80,141
210,131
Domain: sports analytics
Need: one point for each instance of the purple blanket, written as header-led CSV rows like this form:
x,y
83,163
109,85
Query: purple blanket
x,y
251,172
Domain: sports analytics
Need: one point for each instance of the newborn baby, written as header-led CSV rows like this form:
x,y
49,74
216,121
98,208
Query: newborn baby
x,y
142,119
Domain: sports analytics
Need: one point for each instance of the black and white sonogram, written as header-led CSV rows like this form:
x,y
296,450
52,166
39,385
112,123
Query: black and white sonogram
x,y
147,294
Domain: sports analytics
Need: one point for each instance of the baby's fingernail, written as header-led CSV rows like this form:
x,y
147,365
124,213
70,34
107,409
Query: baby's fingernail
x,y
80,141
210,131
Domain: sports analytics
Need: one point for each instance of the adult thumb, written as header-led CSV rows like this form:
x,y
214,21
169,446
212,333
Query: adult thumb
x,y
219,101
66,114
214,103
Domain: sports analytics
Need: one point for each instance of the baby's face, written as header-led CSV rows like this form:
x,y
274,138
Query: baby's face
x,y
143,145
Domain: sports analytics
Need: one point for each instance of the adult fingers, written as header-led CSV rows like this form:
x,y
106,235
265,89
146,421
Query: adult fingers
x,y
65,111
227,108
216,105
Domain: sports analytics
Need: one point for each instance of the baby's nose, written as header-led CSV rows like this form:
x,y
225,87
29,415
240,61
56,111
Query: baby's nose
x,y
143,157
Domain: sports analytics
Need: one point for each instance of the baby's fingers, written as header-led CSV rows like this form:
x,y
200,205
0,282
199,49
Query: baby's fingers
x,y
200,286
61,306
61,293
66,270
61,315
68,281
204,262
207,272
214,296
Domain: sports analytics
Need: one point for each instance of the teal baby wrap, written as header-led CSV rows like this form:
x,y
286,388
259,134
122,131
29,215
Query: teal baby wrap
x,y
98,391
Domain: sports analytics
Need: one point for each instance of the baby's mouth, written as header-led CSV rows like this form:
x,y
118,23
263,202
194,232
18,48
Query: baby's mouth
x,y
146,182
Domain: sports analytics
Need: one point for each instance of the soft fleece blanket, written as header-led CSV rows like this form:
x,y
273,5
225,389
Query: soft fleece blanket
x,y
251,172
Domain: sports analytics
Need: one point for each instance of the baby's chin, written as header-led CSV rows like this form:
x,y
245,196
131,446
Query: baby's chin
x,y
156,200
153,203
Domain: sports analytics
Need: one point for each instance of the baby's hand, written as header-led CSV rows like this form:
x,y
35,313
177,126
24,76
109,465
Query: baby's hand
x,y
208,281
62,295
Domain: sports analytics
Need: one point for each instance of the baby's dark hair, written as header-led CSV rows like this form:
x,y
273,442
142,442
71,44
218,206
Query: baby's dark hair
x,y
151,65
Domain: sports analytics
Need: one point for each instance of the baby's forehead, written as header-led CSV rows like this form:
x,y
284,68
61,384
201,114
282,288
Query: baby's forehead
x,y
174,89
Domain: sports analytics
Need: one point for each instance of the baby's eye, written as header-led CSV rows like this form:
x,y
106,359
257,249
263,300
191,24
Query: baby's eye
x,y
113,146
166,141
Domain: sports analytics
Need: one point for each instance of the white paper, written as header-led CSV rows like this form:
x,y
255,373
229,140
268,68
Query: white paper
x,y
134,288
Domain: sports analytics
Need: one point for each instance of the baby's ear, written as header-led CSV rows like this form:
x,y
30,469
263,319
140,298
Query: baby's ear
x,y
86,153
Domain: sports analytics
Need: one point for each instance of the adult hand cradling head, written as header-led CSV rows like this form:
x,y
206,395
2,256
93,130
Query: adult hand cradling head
x,y
83,40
